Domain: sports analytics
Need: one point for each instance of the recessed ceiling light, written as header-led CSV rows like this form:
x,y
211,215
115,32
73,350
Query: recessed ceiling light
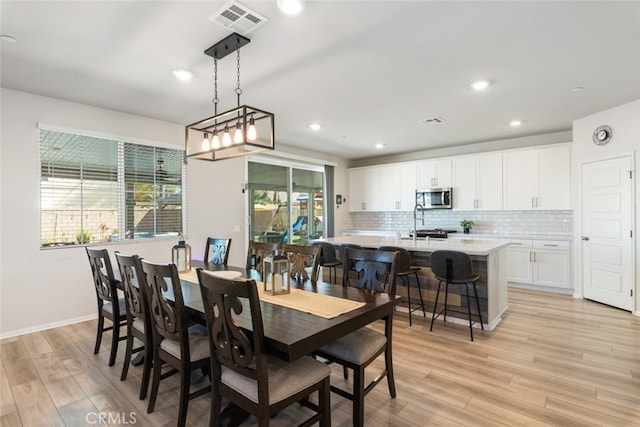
x,y
290,7
515,123
7,38
379,146
315,126
183,75
577,89
480,85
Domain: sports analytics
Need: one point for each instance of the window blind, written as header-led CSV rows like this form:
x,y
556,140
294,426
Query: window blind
x,y
92,188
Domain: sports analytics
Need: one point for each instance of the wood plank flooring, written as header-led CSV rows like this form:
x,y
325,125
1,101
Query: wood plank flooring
x,y
554,360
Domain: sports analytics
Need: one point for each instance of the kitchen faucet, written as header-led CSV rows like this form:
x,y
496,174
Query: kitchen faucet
x,y
415,219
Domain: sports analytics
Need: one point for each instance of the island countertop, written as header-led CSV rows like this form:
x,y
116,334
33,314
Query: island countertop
x,y
469,246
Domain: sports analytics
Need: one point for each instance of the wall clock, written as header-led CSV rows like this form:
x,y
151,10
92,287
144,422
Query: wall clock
x,y
602,135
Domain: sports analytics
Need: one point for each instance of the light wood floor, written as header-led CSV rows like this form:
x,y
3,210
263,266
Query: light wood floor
x,y
554,360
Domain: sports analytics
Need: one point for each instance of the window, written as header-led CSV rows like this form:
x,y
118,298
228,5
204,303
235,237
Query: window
x,y
286,203
91,188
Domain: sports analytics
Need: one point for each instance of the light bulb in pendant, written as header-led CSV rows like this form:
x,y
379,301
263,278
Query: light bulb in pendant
x,y
205,142
251,131
215,141
226,137
237,135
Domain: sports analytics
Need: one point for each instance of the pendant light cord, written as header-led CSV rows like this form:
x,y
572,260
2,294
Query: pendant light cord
x,y
215,99
238,90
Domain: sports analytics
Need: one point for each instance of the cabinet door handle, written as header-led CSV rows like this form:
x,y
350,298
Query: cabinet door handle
x,y
553,246
533,203
585,238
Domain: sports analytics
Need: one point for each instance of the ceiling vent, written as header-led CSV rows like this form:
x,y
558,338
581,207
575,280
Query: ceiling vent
x,y
238,18
432,121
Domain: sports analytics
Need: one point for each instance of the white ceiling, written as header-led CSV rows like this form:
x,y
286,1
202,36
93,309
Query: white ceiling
x,y
367,71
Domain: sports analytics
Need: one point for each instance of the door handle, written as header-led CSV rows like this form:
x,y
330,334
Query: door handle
x,y
585,238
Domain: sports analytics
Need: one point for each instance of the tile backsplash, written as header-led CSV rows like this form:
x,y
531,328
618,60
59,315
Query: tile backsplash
x,y
504,223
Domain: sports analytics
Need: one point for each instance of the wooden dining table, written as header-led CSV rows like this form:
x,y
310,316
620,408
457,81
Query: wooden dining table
x,y
291,333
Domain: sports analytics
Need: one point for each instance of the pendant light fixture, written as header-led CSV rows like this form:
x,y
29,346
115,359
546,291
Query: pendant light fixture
x,y
241,131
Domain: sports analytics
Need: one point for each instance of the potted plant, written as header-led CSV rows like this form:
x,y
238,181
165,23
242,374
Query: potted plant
x,y
466,225
83,236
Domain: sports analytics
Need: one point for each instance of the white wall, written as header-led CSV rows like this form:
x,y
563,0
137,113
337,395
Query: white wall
x,y
625,121
46,288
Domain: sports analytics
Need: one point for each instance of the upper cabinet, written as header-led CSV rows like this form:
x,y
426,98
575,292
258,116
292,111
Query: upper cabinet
x,y
477,182
364,189
434,173
382,188
539,178
398,187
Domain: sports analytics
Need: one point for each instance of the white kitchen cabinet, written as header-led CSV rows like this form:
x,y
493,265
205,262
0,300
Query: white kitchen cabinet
x,y
538,178
544,263
477,182
364,189
434,173
398,187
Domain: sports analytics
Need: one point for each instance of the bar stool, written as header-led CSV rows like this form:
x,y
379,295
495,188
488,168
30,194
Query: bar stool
x,y
453,268
404,270
328,258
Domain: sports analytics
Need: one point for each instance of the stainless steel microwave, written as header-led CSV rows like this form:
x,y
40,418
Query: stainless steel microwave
x,y
434,198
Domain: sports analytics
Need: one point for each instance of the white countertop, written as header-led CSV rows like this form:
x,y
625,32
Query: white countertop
x,y
471,246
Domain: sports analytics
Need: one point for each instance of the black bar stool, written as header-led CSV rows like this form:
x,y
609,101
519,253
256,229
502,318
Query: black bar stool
x,y
453,268
328,258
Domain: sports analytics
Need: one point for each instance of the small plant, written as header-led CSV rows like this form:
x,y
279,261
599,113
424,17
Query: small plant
x,y
83,236
467,225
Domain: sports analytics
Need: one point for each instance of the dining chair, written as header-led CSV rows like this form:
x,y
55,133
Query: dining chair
x,y
183,348
139,326
256,253
348,266
328,259
454,268
217,251
303,258
241,369
110,305
360,348
404,270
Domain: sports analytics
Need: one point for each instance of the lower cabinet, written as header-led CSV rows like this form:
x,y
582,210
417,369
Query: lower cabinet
x,y
545,263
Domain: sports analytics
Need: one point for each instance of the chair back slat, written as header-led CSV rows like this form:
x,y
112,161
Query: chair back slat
x,y
376,269
102,272
302,258
217,251
134,285
223,301
166,305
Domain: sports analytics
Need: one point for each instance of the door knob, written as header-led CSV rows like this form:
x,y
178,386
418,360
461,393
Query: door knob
x,y
585,237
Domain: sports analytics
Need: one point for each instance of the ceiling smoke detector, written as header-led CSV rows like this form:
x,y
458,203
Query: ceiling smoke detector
x,y
432,121
238,18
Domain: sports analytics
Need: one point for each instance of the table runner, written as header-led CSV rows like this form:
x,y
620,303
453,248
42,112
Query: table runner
x,y
320,305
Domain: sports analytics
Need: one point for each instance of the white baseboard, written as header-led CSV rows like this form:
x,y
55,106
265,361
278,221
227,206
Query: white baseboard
x,y
46,326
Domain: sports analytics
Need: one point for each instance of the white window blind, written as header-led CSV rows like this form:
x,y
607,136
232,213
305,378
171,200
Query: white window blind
x,y
92,188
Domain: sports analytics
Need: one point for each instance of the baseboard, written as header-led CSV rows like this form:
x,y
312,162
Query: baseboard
x,y
46,326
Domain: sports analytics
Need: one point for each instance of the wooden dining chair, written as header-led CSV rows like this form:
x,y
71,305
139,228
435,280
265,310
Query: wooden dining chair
x,y
405,270
181,347
256,253
357,350
217,251
241,370
139,326
303,258
349,267
328,259
110,306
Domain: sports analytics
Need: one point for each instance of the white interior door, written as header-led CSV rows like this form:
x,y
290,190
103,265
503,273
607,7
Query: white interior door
x,y
607,243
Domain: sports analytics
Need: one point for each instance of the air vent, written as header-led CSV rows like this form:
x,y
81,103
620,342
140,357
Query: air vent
x,y
238,18
432,121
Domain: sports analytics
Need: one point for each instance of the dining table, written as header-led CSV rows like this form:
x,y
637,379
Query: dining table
x,y
291,333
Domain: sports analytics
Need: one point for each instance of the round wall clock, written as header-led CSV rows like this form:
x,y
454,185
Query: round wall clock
x,y
602,135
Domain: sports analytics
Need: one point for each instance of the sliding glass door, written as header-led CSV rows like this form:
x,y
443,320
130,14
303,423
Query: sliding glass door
x,y
285,203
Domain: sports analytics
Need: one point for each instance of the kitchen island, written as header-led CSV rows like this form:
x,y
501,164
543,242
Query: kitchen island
x,y
489,259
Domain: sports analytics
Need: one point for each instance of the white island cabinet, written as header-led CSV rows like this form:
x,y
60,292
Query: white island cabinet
x,y
489,258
